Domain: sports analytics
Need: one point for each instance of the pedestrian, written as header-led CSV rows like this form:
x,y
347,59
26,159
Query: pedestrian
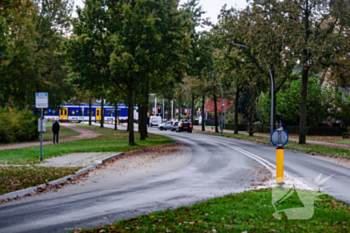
x,y
55,130
281,125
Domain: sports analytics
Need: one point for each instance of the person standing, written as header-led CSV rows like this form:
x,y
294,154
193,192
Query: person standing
x,y
55,130
281,125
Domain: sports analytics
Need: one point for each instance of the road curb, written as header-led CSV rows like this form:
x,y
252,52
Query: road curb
x,y
24,192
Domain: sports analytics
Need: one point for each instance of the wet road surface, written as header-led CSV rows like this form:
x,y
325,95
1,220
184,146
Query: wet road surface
x,y
219,166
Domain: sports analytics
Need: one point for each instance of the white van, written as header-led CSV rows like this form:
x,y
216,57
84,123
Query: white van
x,y
155,120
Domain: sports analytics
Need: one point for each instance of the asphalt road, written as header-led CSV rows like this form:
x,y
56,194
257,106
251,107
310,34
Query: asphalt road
x,y
219,166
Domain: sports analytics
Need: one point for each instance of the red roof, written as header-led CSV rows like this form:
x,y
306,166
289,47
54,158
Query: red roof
x,y
209,106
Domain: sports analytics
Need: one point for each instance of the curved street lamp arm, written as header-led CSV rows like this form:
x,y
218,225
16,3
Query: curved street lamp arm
x,y
272,86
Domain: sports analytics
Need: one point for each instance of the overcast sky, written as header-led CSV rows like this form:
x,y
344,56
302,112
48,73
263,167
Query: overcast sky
x,y
211,7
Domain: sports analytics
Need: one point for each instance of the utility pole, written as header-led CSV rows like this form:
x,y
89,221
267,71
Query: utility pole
x,y
163,110
172,106
155,105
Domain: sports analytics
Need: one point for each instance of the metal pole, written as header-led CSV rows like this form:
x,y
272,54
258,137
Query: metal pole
x,y
41,135
272,91
272,87
187,101
163,110
222,102
155,106
224,116
172,108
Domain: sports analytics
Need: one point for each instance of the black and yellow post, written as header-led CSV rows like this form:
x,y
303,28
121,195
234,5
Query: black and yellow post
x,y
279,165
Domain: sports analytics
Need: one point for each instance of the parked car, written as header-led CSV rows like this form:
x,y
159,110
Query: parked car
x,y
166,125
184,126
175,124
155,121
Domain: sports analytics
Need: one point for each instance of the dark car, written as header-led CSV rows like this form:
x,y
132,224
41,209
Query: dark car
x,y
184,126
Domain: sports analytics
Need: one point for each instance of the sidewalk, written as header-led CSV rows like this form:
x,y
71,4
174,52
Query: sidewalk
x,y
328,144
84,134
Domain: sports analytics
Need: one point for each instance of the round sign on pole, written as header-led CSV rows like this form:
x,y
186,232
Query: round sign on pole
x,y
279,137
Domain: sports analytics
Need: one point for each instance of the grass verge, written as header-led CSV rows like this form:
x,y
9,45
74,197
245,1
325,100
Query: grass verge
x,y
309,148
16,178
250,211
48,136
110,141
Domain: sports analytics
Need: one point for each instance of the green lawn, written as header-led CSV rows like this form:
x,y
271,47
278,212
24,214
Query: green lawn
x,y
64,132
48,136
110,141
311,148
250,211
16,178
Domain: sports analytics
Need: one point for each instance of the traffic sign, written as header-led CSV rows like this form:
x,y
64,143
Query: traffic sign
x,y
41,125
279,137
166,112
41,100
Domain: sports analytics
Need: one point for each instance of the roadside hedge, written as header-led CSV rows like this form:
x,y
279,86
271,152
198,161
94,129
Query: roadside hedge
x,y
18,126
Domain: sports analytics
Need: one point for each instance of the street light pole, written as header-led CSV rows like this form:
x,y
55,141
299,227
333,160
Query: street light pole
x,y
222,102
272,87
187,98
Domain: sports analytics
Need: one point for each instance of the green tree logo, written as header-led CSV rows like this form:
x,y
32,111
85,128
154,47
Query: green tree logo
x,y
297,204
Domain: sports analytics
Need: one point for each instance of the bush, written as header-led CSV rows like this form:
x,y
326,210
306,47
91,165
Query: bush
x,y
18,126
241,127
345,135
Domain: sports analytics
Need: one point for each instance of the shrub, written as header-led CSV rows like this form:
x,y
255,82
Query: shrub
x,y
345,135
18,126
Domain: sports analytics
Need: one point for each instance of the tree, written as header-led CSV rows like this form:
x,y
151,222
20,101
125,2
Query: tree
x,y
134,45
318,31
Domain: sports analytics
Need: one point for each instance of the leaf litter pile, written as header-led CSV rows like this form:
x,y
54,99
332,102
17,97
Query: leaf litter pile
x,y
14,178
250,211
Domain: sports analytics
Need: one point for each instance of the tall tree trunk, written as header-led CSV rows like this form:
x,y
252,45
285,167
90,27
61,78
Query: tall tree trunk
x,y
138,110
131,117
304,80
141,120
146,109
251,113
115,118
303,103
203,114
236,110
179,117
102,115
215,115
192,110
143,116
90,111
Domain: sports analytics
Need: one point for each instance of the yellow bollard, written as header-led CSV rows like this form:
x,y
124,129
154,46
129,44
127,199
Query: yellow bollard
x,y
279,165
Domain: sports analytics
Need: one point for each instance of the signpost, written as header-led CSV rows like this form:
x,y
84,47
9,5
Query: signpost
x,y
279,138
41,101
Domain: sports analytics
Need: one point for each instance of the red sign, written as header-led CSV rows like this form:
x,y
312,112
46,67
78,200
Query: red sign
x,y
166,112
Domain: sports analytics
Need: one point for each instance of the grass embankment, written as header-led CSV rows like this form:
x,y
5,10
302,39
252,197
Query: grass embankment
x,y
110,141
48,135
332,139
309,148
251,211
64,132
16,178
